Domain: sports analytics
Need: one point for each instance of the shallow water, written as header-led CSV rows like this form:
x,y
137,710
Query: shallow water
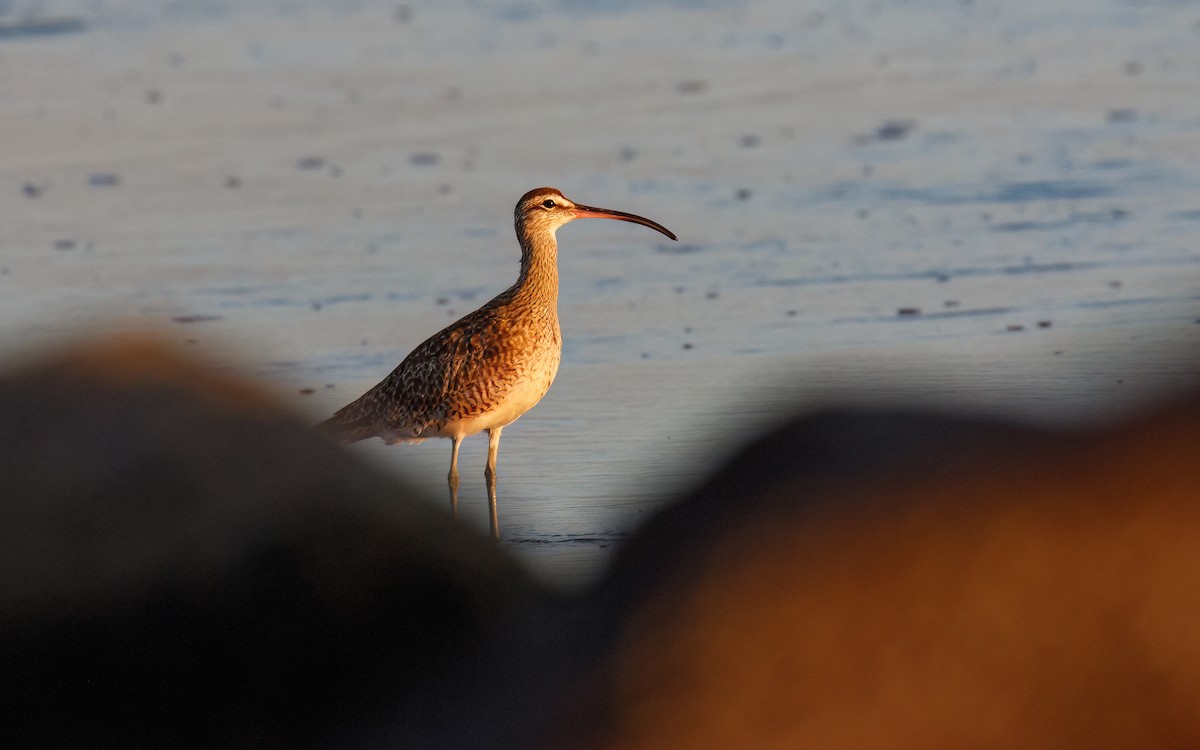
x,y
987,205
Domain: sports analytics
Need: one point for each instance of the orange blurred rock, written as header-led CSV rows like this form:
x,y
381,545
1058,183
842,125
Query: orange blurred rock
x,y
910,581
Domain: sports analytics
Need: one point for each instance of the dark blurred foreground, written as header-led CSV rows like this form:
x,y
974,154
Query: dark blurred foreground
x,y
185,565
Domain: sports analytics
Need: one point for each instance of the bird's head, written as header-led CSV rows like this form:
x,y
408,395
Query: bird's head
x,y
546,209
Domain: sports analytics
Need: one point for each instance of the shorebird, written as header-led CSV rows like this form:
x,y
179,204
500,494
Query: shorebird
x,y
491,366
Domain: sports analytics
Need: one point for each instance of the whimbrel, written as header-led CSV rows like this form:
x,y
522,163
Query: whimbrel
x,y
488,368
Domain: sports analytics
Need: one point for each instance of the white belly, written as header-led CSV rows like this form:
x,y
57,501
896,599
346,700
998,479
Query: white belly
x,y
522,397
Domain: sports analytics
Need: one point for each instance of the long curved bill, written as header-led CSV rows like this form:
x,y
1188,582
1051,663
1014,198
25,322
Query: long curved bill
x,y
588,212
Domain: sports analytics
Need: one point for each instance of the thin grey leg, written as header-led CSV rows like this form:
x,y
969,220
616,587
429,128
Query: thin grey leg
x,y
489,474
453,478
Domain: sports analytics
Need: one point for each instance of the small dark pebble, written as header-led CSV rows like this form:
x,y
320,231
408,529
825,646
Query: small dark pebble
x,y
1115,284
310,162
712,295
791,313
687,345
423,159
1045,323
307,391
1133,68
678,248
316,306
1057,352
627,154
1122,115
749,141
103,179
951,303
41,26
233,182
402,13
863,213
31,190
443,300
196,318
894,130
908,311
330,385
64,244
154,96
692,86
742,194
1015,327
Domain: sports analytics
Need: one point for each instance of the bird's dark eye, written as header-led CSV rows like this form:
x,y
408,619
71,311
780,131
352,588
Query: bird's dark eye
x,y
548,203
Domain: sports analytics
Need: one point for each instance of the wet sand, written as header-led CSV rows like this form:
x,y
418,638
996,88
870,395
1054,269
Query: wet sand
x,y
990,206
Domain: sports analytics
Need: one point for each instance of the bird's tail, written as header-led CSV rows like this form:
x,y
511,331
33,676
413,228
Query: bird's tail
x,y
348,425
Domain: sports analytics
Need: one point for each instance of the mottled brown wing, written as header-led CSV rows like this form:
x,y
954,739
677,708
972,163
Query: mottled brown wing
x,y
458,372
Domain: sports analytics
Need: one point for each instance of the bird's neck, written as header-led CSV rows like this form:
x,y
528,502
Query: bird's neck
x,y
538,282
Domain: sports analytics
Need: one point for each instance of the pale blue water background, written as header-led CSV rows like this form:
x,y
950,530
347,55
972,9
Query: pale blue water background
x,y
992,205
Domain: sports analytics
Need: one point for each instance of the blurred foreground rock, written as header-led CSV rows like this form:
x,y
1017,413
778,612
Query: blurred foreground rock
x,y
182,564
905,580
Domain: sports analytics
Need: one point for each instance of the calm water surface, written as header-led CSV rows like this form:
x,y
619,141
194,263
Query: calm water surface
x,y
994,207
